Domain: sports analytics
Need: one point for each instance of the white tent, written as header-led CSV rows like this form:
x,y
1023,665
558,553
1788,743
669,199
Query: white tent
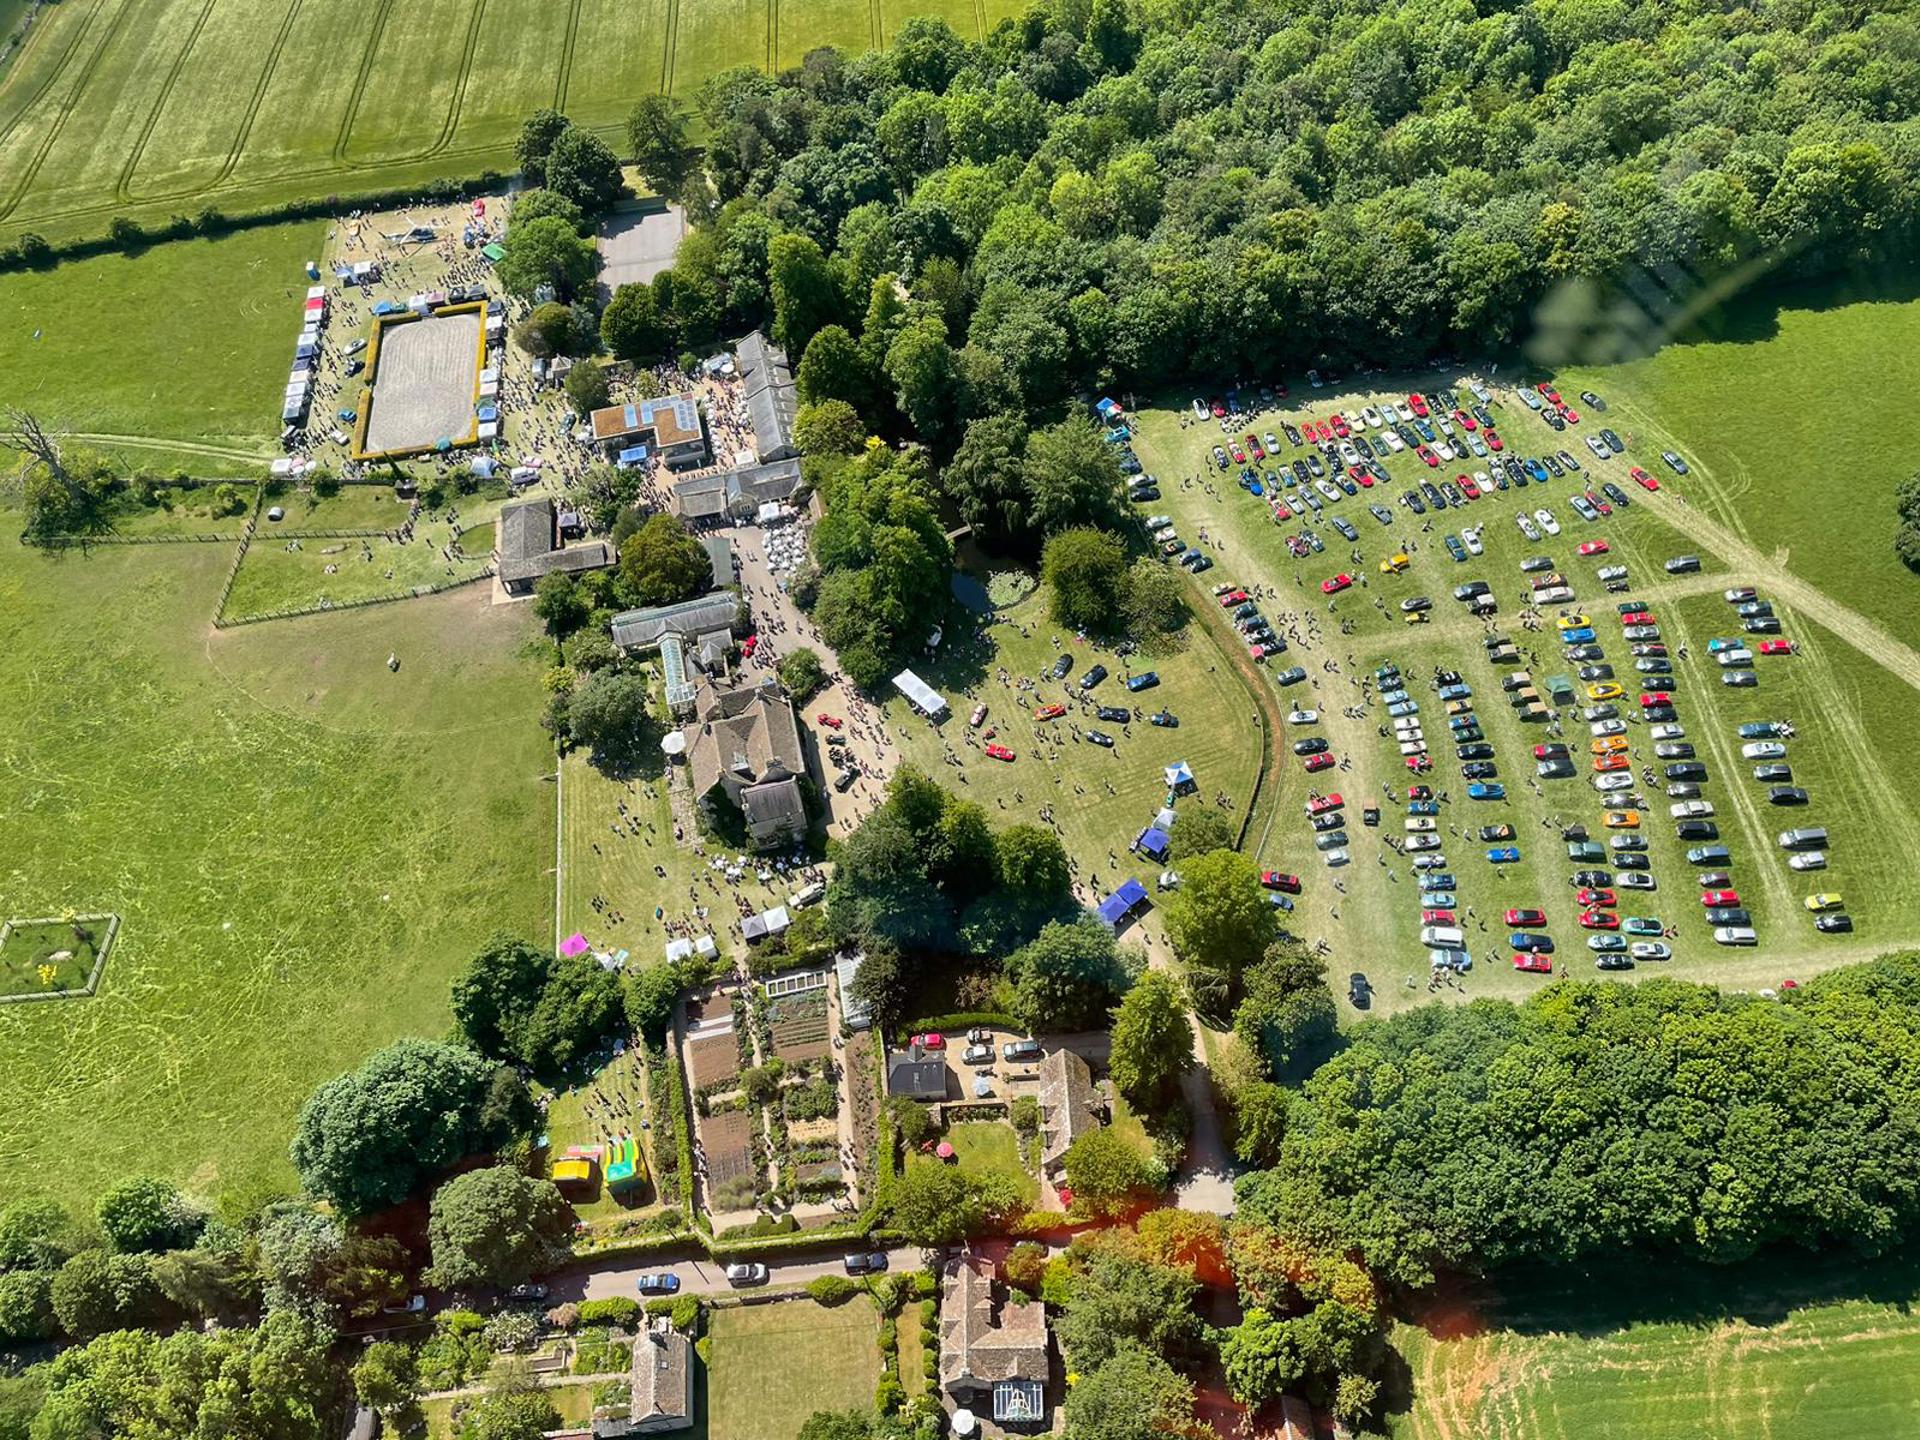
x,y
679,950
1179,775
922,696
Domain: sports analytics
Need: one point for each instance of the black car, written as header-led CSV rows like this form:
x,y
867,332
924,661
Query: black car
x,y
1838,924
1728,915
1786,795
1480,770
1361,993
1147,492
1697,830
1773,774
1061,667
1687,770
1100,737
1618,496
1413,502
1293,435
1552,464
1114,713
1092,678
1614,442
1312,745
356,365
1592,401
1476,750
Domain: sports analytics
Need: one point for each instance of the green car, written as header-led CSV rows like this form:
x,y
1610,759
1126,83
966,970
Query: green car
x,y
1640,925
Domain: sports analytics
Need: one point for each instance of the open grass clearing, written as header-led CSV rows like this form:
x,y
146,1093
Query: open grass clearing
x,y
988,1147
186,341
1100,799
292,835
825,1358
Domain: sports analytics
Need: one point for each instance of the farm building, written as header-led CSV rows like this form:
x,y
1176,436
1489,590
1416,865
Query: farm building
x,y
771,397
993,1345
531,547
736,495
743,749
668,425
1070,1106
694,620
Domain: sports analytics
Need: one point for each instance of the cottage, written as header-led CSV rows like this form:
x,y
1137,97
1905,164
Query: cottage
x,y
668,425
661,1392
917,1074
993,1345
1070,1107
743,749
531,547
772,398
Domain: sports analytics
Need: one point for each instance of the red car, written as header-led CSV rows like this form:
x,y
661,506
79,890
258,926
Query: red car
x,y
1599,920
1432,460
1239,455
1526,919
1311,431
1280,880
1594,547
1317,763
1646,481
833,720
748,645
1553,395
1589,899
1336,584
1570,415
999,752
1550,752
1281,513
1599,503
1419,764
1534,964
932,1040
1638,617
1713,898
1437,917
1050,712
1419,792
1467,487
1655,697
1253,446
1607,764
1494,442
1465,421
1219,408
1324,804
1233,597
1417,405
1339,423
1776,647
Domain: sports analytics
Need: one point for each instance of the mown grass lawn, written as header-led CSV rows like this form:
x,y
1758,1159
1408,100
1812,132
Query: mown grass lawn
x,y
188,341
988,1147
293,835
774,1365
1797,1345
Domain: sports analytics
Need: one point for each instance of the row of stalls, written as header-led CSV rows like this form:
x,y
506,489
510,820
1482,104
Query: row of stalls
x,y
306,358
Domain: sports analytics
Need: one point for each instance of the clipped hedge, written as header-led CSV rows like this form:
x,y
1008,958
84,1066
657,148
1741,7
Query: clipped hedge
x,y
835,1290
961,1020
615,1310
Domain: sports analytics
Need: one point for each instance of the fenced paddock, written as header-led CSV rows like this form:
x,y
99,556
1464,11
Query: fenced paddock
x,y
426,374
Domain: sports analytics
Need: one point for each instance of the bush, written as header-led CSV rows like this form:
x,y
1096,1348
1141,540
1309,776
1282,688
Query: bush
x,y
687,1314
802,674
618,1310
834,1289
889,1395
1026,1267
564,1317
511,1330
1025,1115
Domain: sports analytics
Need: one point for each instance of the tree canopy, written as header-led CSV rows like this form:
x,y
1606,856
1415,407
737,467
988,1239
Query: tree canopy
x,y
663,562
496,1227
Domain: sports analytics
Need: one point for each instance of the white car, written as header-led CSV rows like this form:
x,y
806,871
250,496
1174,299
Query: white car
x,y
1303,717
1692,810
1808,860
1650,950
1735,935
1327,488
1480,392
1389,412
1763,750
1336,858
1599,448
1352,417
1635,880
1547,522
1600,729
1393,442
1445,425
1169,880
1612,572
1449,959
1607,784
1670,732
1421,824
1737,658
1477,445
1348,453
1443,450
1526,527
1372,417
1470,537
1423,842
1200,409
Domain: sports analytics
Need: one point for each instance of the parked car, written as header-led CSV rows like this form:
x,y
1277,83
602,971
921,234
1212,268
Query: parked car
x,y
1021,1051
663,1283
747,1272
873,1262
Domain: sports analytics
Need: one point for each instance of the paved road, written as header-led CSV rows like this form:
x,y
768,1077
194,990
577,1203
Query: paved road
x,y
699,1274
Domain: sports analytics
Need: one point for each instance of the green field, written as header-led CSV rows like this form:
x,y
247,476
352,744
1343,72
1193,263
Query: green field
x,y
1775,1347
823,1358
1852,758
1776,408
180,352
167,107
302,846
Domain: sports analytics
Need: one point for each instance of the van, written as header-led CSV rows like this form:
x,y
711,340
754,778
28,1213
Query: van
x,y
1518,680
1709,855
1446,937
1735,935
1534,714
1812,837
808,895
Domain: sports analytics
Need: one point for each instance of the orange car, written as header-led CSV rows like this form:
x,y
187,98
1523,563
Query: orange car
x,y
1607,764
1610,745
1050,712
1622,820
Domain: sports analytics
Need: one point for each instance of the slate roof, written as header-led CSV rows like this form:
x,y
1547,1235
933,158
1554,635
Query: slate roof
x,y
987,1338
770,394
529,545
1068,1107
639,629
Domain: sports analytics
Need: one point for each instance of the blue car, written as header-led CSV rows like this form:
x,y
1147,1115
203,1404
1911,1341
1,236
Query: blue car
x,y
1439,899
1145,680
1437,880
1504,854
1527,940
665,1284
1579,636
1486,791
1455,548
1423,807
1281,902
1535,469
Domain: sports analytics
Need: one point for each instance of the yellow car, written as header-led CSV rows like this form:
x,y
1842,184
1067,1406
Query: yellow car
x,y
1610,745
1394,564
1572,622
1826,900
1605,690
1415,617
1622,820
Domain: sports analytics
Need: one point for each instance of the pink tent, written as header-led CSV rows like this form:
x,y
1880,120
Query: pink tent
x,y
574,944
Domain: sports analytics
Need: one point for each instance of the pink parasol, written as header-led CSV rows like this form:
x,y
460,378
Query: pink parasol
x,y
574,944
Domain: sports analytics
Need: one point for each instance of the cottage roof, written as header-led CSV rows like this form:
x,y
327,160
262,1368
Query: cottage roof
x,y
986,1339
1067,1108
